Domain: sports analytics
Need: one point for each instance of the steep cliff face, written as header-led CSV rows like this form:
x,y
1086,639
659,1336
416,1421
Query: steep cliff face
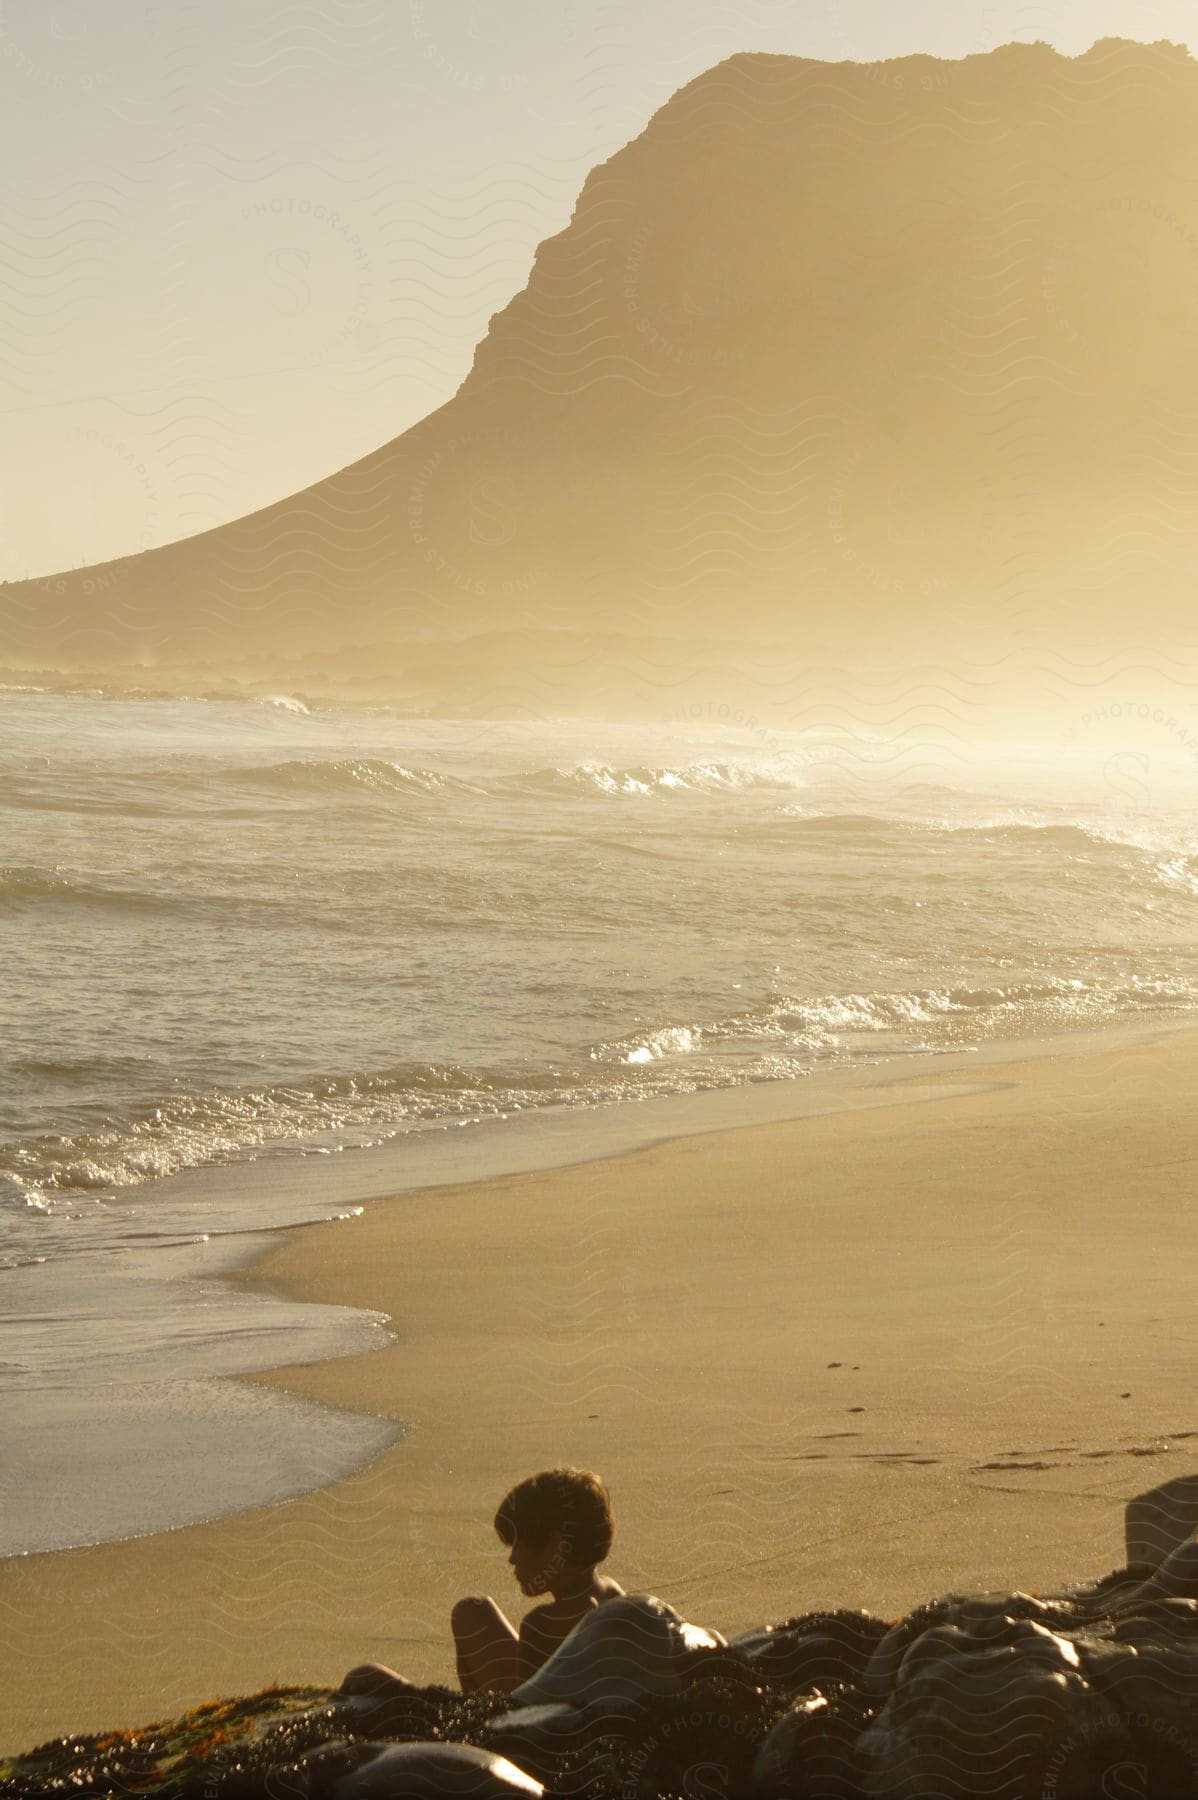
x,y
830,351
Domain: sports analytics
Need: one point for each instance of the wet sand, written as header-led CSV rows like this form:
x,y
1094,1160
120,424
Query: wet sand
x,y
854,1358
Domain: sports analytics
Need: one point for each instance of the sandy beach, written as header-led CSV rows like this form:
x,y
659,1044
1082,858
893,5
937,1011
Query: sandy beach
x,y
854,1358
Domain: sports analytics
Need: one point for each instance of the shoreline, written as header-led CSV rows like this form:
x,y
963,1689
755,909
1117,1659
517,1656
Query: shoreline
x,y
160,1378
700,1351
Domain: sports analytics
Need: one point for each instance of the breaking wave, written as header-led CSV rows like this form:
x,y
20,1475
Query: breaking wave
x,y
643,779
788,1036
323,778
818,1025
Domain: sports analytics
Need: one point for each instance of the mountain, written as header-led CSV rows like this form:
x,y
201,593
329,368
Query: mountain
x,y
898,357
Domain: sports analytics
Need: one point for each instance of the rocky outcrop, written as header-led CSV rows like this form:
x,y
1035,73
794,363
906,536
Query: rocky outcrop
x,y
1007,1696
1091,1692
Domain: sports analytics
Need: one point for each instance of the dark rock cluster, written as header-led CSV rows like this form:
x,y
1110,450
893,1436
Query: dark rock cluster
x,y
1088,1695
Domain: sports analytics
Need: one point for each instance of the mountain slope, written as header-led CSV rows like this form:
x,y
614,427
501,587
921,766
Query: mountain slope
x,y
830,352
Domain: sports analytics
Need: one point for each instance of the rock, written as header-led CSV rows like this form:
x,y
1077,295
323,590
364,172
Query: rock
x,y
974,1714
983,1697
394,1711
1155,1523
1098,1599
1177,1576
545,1740
970,1611
631,1646
1163,1620
419,1772
314,1776
812,1650
811,1754
702,1742
1154,1678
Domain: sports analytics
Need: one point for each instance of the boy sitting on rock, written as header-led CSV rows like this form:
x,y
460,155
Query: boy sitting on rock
x,y
558,1527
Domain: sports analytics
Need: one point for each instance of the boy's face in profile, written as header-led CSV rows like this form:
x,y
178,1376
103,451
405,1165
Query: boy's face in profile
x,y
536,1565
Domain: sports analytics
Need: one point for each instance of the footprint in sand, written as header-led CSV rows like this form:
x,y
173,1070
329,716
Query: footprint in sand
x,y
979,1468
895,1456
1129,1450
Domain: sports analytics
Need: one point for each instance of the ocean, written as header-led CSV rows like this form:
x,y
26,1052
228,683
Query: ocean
x,y
262,959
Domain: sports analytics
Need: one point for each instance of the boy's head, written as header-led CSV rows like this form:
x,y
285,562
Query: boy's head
x,y
556,1523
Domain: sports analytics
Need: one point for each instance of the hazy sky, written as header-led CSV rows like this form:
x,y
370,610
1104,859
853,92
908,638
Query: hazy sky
x,y
243,242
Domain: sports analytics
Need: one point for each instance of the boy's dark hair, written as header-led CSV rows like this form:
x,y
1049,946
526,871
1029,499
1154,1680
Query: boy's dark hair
x,y
572,1501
